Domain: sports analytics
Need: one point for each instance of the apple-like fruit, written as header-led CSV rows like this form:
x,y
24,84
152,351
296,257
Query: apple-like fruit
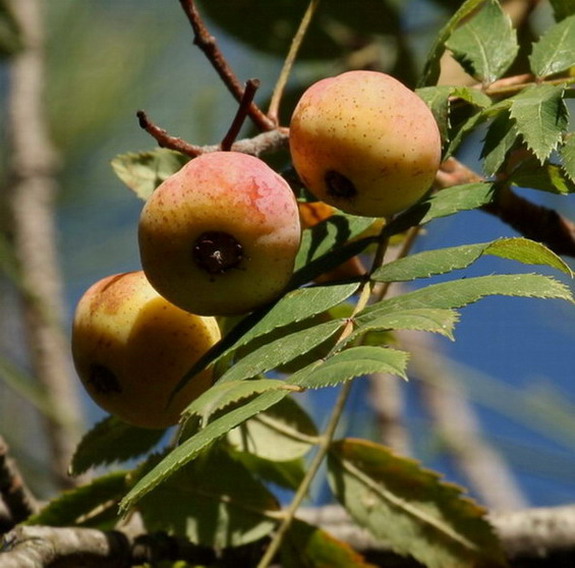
x,y
131,347
364,143
220,236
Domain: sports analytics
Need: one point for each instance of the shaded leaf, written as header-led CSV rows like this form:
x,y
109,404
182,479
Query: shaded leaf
x,y
501,137
306,546
111,441
459,293
541,117
285,474
10,35
280,351
351,363
410,507
281,433
71,506
142,172
201,440
486,44
432,65
213,501
555,50
545,177
441,261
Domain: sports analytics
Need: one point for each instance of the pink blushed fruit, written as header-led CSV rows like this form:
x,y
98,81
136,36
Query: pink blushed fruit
x,y
220,236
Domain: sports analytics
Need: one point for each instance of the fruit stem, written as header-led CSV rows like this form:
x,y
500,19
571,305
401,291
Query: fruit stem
x,y
297,40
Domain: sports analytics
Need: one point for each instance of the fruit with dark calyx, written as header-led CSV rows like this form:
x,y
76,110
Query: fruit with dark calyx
x,y
220,236
364,143
131,347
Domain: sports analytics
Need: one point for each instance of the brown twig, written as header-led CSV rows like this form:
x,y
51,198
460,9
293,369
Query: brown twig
x,y
207,43
164,139
241,114
19,501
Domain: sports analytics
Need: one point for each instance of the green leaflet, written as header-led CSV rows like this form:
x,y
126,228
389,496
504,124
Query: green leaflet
x,y
431,67
142,172
555,50
410,507
486,45
442,261
459,293
541,117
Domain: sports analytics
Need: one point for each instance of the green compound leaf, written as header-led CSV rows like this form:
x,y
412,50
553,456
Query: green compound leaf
x,y
502,136
111,441
432,65
213,501
442,261
555,50
311,547
410,507
71,506
486,45
281,351
142,172
459,293
541,117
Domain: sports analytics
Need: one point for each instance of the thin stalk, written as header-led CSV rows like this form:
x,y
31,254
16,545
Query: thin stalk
x,y
297,40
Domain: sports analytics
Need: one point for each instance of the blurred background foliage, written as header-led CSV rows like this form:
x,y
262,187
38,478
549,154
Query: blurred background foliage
x,y
108,59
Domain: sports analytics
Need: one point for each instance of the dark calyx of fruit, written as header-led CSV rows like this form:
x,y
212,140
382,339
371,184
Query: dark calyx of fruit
x,y
216,252
339,186
103,380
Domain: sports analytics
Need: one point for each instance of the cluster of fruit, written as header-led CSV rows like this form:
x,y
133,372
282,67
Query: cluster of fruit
x,y
220,238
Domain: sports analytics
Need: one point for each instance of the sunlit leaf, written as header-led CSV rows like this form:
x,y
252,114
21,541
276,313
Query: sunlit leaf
x,y
555,50
352,363
441,261
541,117
485,45
410,508
567,153
501,137
111,441
459,293
432,65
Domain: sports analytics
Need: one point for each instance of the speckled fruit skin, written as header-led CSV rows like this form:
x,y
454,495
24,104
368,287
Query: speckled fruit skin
x,y
131,347
378,136
226,192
